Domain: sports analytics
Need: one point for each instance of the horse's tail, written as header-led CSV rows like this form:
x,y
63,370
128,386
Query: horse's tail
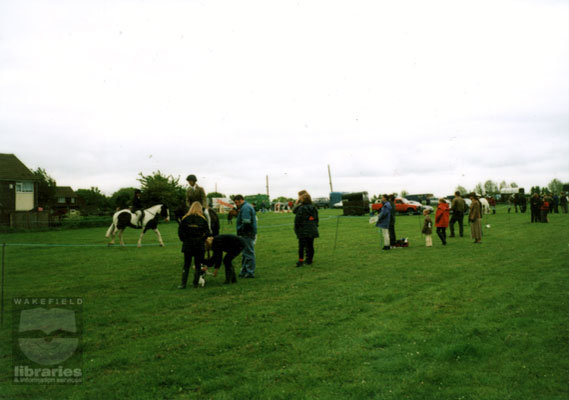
x,y
110,230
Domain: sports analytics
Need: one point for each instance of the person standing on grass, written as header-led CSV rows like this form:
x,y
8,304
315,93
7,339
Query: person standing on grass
x,y
427,228
441,220
232,246
193,231
305,227
392,237
563,202
535,208
458,207
383,221
555,207
475,218
247,229
545,204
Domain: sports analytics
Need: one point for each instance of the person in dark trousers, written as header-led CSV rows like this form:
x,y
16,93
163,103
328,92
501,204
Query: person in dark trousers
x,y
232,246
136,207
545,204
441,220
305,227
563,202
555,205
523,202
427,228
246,226
535,208
458,207
392,236
193,231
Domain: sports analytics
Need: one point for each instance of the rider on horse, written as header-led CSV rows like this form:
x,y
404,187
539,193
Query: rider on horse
x,y
197,193
136,207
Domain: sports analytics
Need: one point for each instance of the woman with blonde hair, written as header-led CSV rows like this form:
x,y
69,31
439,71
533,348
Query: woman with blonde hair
x,y
193,231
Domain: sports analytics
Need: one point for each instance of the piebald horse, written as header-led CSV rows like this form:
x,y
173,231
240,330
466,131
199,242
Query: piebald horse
x,y
150,218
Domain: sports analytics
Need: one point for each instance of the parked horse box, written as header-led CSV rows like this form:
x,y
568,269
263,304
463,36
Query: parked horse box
x,y
355,203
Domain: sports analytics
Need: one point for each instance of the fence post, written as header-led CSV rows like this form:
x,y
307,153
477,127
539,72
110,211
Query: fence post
x,y
2,287
336,236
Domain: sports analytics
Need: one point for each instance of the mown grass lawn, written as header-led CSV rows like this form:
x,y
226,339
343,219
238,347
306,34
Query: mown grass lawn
x,y
464,321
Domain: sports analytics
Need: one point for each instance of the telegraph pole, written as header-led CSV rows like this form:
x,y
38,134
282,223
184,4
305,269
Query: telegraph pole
x,y
330,178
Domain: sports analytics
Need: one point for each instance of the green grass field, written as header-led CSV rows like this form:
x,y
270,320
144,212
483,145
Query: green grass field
x,y
464,321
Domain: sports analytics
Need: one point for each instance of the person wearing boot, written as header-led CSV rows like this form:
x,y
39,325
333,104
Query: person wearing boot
x,y
232,245
305,227
136,207
441,220
193,231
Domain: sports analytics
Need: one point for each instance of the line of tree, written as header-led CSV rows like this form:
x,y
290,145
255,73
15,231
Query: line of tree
x,y
166,189
490,188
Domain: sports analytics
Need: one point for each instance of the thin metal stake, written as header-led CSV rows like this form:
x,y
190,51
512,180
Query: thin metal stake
x,y
336,236
2,285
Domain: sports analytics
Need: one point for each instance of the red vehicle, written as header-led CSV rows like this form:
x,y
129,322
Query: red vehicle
x,y
402,206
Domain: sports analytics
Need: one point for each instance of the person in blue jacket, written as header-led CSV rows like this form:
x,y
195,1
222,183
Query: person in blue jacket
x,y
383,221
246,225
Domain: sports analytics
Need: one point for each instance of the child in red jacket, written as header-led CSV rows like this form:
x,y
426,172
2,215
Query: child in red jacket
x,y
441,219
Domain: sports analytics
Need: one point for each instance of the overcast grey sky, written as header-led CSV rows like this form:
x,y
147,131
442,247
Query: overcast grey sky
x,y
414,95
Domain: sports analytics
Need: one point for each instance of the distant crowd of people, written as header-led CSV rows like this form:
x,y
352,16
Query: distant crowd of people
x,y
386,220
541,206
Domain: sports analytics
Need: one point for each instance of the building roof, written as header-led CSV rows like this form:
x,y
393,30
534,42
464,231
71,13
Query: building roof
x,y
64,191
12,169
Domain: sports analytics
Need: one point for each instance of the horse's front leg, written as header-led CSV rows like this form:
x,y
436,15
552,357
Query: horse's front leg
x,y
159,237
113,232
140,238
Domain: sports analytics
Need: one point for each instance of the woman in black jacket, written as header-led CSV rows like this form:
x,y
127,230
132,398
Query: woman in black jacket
x,y
193,231
305,227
